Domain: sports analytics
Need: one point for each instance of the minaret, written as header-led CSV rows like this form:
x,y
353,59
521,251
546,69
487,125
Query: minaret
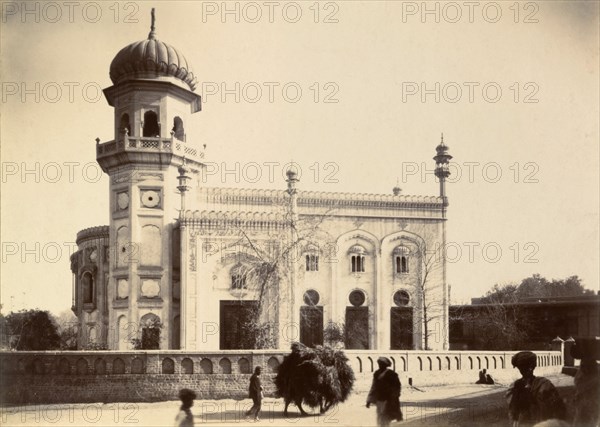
x,y
442,171
153,99
183,187
294,302
442,167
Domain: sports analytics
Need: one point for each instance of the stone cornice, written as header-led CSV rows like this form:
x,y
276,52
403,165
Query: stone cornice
x,y
92,233
165,84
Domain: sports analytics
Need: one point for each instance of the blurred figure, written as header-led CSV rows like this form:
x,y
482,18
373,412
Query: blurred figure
x,y
255,393
385,393
587,394
532,399
185,418
481,379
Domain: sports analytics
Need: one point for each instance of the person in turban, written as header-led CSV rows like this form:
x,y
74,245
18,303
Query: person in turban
x,y
184,417
532,399
385,393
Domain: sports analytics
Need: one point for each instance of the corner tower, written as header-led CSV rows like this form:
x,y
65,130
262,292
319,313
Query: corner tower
x,y
153,99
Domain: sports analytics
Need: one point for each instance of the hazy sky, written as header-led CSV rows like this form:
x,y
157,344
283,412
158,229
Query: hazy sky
x,y
360,92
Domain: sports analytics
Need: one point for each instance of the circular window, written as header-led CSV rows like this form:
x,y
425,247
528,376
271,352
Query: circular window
x,y
401,298
357,298
311,297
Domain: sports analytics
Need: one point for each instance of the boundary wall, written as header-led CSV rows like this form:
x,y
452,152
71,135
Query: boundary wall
x,y
158,375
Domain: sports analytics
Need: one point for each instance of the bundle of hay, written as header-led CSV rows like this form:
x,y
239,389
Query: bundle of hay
x,y
319,377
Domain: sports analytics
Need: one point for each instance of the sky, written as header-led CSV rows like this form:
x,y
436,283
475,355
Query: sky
x,y
357,93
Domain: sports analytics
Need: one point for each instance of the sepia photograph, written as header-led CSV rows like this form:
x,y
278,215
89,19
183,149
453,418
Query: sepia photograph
x,y
303,213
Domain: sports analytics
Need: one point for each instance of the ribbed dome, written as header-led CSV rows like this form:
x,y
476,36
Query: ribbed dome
x,y
151,55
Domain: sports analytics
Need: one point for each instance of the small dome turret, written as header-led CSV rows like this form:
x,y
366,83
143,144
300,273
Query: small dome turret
x,y
151,58
442,148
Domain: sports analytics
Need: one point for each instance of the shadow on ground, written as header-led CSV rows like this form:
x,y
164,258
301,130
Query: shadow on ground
x,y
271,411
474,409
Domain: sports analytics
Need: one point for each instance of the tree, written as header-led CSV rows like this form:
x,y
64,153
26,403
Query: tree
x,y
32,330
536,286
269,263
431,305
68,327
500,324
334,334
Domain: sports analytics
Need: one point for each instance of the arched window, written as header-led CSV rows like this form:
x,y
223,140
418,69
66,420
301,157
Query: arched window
x,y
151,127
125,124
404,264
401,254
178,131
238,277
87,284
312,262
358,264
357,259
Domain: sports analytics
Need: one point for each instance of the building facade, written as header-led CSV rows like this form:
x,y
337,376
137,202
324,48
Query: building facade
x,y
540,319
182,266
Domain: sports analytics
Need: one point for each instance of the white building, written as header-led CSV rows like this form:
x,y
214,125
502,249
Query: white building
x,y
193,259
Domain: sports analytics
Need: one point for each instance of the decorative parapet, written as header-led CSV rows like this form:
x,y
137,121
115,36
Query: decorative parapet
x,y
239,196
229,222
154,145
92,233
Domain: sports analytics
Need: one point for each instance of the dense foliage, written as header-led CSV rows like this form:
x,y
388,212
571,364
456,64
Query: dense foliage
x,y
31,330
536,287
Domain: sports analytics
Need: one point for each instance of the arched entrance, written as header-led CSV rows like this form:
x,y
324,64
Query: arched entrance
x,y
401,322
311,320
151,326
357,322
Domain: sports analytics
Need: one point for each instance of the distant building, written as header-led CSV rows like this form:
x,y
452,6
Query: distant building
x,y
171,268
546,318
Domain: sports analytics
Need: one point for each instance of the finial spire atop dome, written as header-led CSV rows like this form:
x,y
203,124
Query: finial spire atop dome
x,y
152,34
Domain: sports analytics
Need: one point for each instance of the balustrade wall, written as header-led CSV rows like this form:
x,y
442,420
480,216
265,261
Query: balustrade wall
x,y
139,376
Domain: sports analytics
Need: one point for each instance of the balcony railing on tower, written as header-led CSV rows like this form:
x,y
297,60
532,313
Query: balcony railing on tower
x,y
170,145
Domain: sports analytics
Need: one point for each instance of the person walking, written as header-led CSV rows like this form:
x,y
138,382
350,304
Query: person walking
x,y
532,399
255,393
184,417
385,393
